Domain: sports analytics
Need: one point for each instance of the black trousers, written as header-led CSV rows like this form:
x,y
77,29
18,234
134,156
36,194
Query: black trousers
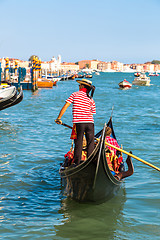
x,y
88,128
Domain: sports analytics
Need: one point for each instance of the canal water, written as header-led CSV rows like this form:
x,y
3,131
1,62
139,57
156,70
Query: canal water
x,y
32,147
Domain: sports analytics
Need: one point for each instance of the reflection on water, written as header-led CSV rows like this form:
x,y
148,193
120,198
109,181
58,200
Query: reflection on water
x,y
5,127
95,221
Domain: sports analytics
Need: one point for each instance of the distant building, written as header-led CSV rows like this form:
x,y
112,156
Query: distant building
x,y
20,63
56,65
91,64
104,66
117,66
127,68
65,67
3,63
53,65
156,67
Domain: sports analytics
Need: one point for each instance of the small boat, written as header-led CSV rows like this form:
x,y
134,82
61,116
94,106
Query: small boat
x,y
19,97
92,179
88,76
51,78
125,84
97,73
42,83
153,74
67,77
9,97
79,76
142,80
72,77
55,83
137,74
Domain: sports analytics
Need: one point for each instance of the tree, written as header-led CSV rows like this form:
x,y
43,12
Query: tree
x,y
87,65
31,58
155,62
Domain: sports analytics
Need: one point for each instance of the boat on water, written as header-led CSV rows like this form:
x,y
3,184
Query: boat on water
x,y
88,76
67,77
142,80
51,78
137,74
91,180
43,83
47,81
125,84
97,73
10,97
153,74
79,75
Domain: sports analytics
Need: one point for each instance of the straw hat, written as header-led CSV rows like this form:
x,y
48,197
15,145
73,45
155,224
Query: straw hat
x,y
85,82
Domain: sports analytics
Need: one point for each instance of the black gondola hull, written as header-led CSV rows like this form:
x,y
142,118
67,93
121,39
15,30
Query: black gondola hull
x,y
12,100
92,180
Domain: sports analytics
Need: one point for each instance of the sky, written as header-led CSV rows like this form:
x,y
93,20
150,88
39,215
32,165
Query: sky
x,y
121,30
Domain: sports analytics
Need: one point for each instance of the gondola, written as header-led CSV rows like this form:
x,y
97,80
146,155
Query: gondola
x,y
19,97
91,180
9,97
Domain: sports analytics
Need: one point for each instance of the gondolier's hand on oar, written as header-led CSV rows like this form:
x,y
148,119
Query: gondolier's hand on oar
x,y
58,121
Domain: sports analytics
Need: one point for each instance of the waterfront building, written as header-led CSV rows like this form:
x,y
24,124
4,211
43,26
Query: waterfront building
x,y
3,63
117,66
157,67
53,65
91,64
127,68
56,66
139,67
104,66
65,67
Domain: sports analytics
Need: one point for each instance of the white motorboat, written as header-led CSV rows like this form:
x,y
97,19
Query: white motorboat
x,y
97,73
51,78
142,80
153,74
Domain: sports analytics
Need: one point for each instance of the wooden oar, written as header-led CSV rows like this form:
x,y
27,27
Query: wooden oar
x,y
129,154
121,150
66,125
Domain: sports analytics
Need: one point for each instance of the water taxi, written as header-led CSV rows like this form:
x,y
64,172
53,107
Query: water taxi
x,y
142,80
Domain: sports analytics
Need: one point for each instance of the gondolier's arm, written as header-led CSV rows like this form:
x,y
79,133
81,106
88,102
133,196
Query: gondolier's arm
x,y
64,108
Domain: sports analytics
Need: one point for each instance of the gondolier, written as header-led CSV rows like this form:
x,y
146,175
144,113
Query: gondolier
x,y
82,110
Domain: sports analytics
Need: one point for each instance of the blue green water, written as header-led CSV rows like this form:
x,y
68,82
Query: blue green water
x,y
32,147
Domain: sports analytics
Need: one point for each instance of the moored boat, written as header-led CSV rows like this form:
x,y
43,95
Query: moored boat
x,y
9,97
44,83
97,73
125,84
67,77
88,76
55,83
91,180
79,75
51,78
19,97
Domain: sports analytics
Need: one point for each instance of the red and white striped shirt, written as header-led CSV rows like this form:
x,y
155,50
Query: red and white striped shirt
x,y
83,106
